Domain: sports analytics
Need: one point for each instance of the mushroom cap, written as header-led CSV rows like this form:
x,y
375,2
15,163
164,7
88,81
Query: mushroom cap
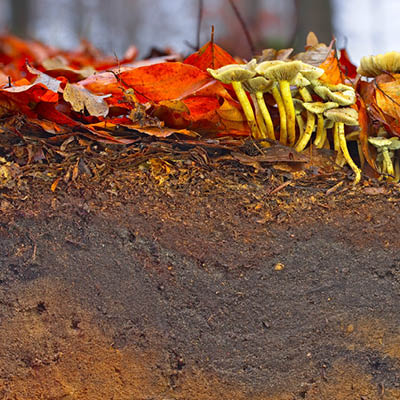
x,y
285,71
265,65
318,107
258,84
345,98
347,115
372,66
380,142
310,72
251,65
395,143
300,81
231,73
340,87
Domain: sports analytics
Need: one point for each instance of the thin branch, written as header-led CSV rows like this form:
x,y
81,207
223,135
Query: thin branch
x,y
293,38
212,47
199,20
244,26
196,47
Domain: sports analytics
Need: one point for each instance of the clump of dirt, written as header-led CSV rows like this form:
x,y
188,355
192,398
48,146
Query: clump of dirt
x,y
177,280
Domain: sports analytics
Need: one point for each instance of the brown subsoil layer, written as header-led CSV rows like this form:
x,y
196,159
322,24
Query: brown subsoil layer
x,y
219,286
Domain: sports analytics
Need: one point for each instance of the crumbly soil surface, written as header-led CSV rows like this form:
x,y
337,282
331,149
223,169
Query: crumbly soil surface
x,y
190,281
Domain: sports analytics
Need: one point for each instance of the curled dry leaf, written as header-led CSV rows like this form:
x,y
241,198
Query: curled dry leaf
x,y
58,66
81,99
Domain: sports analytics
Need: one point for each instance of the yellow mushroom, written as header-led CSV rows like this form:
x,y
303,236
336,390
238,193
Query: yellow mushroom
x,y
284,74
317,108
258,86
342,117
235,74
345,97
372,66
298,109
260,69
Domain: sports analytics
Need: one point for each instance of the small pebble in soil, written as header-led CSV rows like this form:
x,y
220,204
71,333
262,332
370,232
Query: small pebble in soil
x,y
279,266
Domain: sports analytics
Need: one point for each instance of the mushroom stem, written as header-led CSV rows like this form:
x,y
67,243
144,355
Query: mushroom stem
x,y
266,115
397,168
387,161
321,132
336,144
345,151
305,138
247,109
284,86
282,114
259,119
300,124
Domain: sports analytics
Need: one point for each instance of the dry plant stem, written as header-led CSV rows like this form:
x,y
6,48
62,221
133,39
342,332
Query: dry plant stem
x,y
321,132
345,152
282,114
310,125
266,115
247,109
289,108
259,118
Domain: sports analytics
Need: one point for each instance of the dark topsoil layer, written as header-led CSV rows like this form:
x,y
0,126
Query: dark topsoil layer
x,y
163,284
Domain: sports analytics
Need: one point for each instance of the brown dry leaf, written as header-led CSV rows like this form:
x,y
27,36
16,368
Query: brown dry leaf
x,y
58,66
312,39
374,191
81,99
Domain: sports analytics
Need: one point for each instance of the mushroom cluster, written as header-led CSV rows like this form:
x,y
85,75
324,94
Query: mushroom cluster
x,y
304,102
387,147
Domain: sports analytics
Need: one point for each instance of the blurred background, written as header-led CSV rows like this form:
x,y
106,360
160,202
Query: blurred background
x,y
363,26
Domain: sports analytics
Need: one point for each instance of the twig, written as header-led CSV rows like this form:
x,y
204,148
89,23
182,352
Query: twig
x,y
199,20
212,47
196,47
280,187
244,26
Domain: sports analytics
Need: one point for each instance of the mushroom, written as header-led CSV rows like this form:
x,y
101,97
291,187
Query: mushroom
x,y
341,117
386,148
298,109
317,108
235,74
372,66
258,86
345,97
260,69
284,73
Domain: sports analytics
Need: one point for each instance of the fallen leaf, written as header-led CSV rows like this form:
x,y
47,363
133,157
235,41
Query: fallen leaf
x,y
210,56
81,99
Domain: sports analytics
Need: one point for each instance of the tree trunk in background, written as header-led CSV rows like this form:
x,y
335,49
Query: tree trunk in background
x,y
313,15
20,17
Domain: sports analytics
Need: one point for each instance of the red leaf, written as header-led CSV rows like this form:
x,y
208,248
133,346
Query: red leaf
x,y
346,66
210,56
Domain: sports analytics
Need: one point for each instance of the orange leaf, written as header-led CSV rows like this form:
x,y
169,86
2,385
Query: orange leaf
x,y
332,70
210,56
